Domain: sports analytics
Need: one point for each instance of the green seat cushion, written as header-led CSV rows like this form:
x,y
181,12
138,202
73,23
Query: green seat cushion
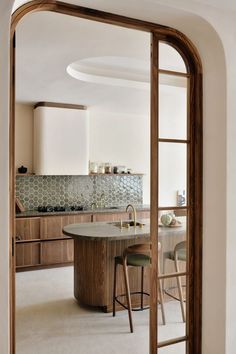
x,y
136,260
181,254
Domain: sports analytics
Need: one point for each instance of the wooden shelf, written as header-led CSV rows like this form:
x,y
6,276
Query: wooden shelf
x,y
25,174
116,174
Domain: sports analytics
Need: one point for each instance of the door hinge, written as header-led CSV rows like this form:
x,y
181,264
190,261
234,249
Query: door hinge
x,y
13,247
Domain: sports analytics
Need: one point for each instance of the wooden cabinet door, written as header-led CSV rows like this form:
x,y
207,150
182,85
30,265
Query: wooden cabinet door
x,y
143,214
58,251
111,216
27,228
27,254
79,218
51,226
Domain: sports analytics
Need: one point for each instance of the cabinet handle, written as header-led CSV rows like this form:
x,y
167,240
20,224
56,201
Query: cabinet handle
x,y
18,238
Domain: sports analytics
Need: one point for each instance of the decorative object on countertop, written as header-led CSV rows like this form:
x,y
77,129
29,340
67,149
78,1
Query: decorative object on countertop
x,y
19,206
22,169
64,191
169,220
101,168
93,167
166,219
181,197
108,167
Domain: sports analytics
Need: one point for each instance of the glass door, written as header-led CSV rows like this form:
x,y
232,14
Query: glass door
x,y
173,201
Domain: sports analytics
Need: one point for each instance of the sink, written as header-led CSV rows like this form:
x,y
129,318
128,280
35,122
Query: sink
x,y
127,224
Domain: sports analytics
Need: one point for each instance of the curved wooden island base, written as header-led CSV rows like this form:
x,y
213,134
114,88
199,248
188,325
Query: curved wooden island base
x,y
95,247
94,268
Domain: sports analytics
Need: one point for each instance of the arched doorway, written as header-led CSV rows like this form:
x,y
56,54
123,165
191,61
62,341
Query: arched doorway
x,y
193,142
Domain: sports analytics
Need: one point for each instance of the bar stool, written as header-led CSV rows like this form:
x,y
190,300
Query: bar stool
x,y
135,256
179,254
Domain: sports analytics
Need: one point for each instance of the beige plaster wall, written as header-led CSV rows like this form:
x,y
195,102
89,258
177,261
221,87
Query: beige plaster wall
x,y
215,232
24,136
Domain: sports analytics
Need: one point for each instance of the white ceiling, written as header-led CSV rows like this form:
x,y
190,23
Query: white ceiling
x,y
221,4
226,4
42,58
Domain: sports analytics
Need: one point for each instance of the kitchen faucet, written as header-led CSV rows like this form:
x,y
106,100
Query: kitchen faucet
x,y
134,212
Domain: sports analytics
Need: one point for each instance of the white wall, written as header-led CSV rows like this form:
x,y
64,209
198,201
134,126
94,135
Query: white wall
x,y
24,136
122,139
215,233
5,11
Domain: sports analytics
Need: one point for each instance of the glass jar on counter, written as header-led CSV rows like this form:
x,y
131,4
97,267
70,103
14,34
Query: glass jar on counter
x,y
101,168
93,167
108,167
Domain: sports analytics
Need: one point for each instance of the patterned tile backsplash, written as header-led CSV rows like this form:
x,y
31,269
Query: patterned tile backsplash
x,y
79,190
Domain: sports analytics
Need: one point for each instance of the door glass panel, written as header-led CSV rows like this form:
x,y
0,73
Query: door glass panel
x,y
179,348
173,107
172,238
170,59
172,174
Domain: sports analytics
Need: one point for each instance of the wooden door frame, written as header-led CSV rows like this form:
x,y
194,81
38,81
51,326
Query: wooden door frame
x,y
193,63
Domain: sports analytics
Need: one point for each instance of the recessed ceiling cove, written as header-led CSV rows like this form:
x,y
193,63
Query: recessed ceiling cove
x,y
112,70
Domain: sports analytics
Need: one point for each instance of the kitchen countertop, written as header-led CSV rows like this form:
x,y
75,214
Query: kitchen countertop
x,y
100,231
120,209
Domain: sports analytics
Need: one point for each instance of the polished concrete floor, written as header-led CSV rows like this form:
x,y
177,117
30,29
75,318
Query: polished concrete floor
x,y
50,321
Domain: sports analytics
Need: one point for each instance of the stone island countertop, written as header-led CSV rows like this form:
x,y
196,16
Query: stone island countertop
x,y
111,231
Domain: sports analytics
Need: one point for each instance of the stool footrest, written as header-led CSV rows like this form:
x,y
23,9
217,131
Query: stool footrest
x,y
173,296
132,293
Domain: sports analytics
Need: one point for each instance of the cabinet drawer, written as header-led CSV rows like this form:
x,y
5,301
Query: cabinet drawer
x,y
111,216
27,228
27,254
51,227
143,214
54,252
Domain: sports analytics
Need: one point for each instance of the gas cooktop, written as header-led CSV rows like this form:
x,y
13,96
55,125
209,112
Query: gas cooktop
x,y
50,208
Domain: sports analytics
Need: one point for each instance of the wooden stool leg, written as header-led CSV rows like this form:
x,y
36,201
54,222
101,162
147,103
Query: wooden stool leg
x,y
114,290
162,302
142,276
163,272
179,285
125,268
161,296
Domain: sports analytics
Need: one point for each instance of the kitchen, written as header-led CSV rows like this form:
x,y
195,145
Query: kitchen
x,y
115,132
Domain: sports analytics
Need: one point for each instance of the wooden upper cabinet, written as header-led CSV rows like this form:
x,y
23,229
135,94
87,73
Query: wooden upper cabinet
x,y
27,228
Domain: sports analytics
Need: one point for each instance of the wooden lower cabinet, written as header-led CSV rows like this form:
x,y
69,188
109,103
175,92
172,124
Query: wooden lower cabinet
x,y
143,214
51,250
110,217
57,252
27,254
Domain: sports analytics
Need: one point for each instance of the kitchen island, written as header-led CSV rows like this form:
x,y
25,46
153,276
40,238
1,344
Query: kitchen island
x,y
95,247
